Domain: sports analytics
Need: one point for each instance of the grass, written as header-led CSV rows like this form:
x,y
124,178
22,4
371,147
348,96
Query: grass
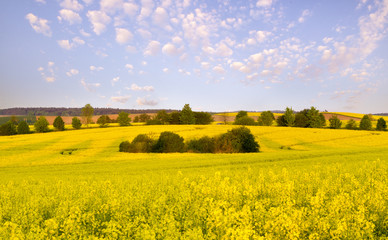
x,y
305,183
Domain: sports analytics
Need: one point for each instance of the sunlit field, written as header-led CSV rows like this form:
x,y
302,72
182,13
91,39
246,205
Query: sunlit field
x,y
303,184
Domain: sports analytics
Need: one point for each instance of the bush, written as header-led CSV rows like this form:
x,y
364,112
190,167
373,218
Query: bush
x,y
23,128
351,124
281,121
241,114
266,118
381,124
169,142
237,140
124,146
59,124
123,119
41,125
154,121
174,118
203,145
103,120
142,143
144,117
203,118
335,123
365,123
76,123
7,129
245,121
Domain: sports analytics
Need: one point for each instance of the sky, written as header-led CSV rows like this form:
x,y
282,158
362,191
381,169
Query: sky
x,y
218,55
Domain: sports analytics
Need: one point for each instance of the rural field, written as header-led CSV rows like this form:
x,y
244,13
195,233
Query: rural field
x,y
303,184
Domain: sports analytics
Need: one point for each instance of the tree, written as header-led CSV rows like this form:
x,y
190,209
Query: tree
x,y
281,121
381,124
241,114
314,118
23,128
203,118
266,118
301,119
169,142
41,125
365,123
187,115
76,123
123,119
245,121
175,118
163,117
136,119
351,124
87,114
237,140
289,117
59,124
335,123
7,129
103,120
144,117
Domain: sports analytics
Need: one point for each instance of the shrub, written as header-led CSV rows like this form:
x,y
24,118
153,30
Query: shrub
x,y
142,143
103,120
237,140
245,121
169,142
203,118
381,124
175,118
241,114
59,124
266,118
351,124
123,119
136,119
124,146
144,117
203,145
76,123
163,117
365,123
7,129
41,125
281,121
154,121
335,123
23,128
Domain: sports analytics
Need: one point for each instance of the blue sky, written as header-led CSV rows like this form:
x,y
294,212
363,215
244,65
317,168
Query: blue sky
x,y
214,55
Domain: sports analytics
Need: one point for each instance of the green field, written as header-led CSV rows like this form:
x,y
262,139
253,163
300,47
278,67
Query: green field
x,y
304,184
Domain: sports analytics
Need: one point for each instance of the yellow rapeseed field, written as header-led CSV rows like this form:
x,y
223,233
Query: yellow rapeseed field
x,y
304,184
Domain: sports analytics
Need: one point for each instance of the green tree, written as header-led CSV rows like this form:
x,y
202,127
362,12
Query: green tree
x,y
59,124
289,117
175,118
245,121
87,114
203,118
76,123
187,115
144,117
351,124
314,118
169,142
163,117
23,128
7,129
136,119
381,124
103,120
241,114
335,123
123,119
41,125
237,140
365,123
266,118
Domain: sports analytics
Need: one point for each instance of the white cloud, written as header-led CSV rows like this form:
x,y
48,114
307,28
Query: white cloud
x,y
256,58
110,6
223,50
90,87
40,69
165,70
129,66
41,1
94,68
261,36
71,4
146,102
83,33
144,33
120,99
152,48
135,87
177,40
130,49
326,55
50,64
72,72
160,16
205,65
305,14
70,16
219,69
264,3
88,2
130,8
66,44
50,79
170,49
99,20
123,35
146,9
40,25
236,65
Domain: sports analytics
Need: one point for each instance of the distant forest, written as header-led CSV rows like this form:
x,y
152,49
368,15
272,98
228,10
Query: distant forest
x,y
51,111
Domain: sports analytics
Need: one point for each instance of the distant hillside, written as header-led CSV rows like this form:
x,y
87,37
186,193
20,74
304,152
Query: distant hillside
x,y
71,111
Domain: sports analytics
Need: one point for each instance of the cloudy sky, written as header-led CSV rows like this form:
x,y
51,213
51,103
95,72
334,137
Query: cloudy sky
x,y
216,55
